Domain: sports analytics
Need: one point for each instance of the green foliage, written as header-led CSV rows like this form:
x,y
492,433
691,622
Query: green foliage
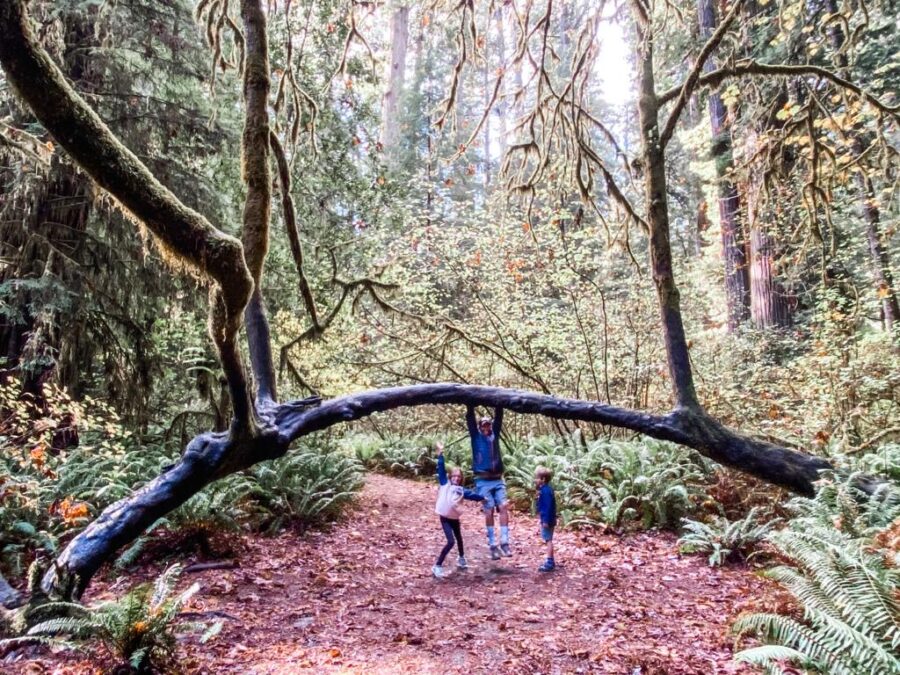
x,y
613,482
312,484
49,495
843,583
396,455
138,628
653,482
610,482
884,460
722,539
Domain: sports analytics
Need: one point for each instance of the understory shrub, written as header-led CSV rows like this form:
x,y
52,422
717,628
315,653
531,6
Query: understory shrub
x,y
609,482
724,540
845,583
311,485
49,490
137,629
406,457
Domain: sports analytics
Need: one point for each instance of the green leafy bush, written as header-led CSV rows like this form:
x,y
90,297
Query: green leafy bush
x,y
312,484
722,539
402,456
138,628
843,583
610,482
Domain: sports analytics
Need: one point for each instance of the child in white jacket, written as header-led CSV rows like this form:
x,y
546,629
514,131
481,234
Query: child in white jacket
x,y
450,496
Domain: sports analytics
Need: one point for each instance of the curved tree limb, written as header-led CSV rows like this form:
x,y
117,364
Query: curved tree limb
x,y
211,456
186,235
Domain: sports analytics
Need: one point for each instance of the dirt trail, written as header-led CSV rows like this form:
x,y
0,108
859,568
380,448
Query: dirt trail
x,y
359,598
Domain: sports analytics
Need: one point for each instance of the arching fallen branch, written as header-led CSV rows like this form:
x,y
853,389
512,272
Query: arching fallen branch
x,y
210,456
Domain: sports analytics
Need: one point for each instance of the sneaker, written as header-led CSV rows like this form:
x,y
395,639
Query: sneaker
x,y
495,553
548,566
505,550
461,563
438,571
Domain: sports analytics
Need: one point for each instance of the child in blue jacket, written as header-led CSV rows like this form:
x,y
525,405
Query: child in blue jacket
x,y
546,508
450,496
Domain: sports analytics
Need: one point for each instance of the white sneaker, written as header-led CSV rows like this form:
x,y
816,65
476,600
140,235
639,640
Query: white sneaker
x,y
461,563
438,571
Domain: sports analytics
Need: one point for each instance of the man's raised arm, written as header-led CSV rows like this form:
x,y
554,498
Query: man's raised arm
x,y
498,421
470,421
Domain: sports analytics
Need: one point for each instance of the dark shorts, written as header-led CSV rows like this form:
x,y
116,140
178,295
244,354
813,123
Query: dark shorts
x,y
547,533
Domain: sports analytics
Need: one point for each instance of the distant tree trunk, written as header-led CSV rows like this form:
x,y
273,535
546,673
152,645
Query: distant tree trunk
x,y
769,306
734,250
486,132
390,108
502,106
881,263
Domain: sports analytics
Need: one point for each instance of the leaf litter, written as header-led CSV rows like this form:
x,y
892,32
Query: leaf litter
x,y
358,597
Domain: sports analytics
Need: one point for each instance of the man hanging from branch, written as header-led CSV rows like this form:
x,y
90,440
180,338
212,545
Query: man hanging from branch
x,y
487,465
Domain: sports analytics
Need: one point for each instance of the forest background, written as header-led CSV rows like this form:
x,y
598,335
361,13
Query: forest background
x,y
437,228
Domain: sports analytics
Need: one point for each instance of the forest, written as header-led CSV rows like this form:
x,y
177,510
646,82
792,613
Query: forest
x,y
262,261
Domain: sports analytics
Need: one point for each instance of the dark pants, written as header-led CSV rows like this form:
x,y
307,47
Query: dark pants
x,y
451,531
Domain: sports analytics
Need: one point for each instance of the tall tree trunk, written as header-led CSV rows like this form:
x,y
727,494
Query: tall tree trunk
x,y
390,107
878,254
656,199
734,249
486,131
769,306
502,104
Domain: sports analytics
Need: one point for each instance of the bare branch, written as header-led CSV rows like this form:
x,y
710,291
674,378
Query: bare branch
x,y
749,67
690,83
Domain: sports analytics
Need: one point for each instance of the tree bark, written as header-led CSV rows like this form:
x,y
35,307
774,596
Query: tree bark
x,y
255,161
502,103
656,198
734,252
390,106
769,305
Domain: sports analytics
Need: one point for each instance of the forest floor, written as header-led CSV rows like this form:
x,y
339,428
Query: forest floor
x,y
358,597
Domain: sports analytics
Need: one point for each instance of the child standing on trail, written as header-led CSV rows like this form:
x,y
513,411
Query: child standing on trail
x,y
487,465
450,496
546,508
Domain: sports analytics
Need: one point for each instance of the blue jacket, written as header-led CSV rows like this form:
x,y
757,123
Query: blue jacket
x,y
546,506
486,460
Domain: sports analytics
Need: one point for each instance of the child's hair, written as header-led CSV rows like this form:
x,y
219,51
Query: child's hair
x,y
457,469
543,473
